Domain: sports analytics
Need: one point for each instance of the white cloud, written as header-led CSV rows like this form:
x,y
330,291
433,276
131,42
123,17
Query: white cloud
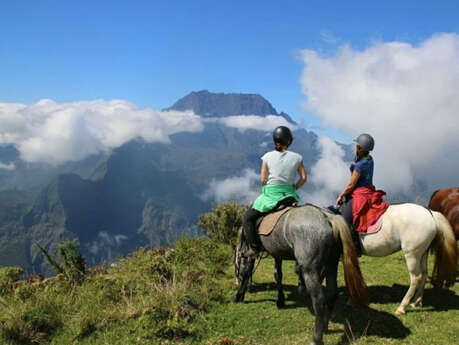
x,y
58,132
405,96
9,166
51,132
329,175
239,188
264,144
261,123
120,238
105,240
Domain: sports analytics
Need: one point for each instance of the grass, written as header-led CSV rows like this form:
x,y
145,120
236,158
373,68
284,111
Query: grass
x,y
258,321
183,296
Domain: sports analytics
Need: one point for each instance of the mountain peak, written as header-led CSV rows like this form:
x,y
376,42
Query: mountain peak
x,y
209,104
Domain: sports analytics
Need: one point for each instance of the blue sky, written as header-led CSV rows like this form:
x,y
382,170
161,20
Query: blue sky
x,y
153,52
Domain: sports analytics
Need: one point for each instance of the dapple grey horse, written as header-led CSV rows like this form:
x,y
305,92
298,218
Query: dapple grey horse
x,y
316,239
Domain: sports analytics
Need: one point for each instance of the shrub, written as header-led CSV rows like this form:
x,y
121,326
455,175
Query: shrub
x,y
72,265
9,275
201,253
223,223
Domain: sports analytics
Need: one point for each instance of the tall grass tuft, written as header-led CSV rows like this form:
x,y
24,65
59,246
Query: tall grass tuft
x,y
32,321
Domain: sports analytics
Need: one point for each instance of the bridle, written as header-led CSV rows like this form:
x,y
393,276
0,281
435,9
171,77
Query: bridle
x,y
241,261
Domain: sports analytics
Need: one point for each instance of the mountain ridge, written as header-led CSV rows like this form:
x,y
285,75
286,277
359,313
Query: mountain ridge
x,y
208,104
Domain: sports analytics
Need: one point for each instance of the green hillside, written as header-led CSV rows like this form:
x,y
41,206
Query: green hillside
x,y
183,296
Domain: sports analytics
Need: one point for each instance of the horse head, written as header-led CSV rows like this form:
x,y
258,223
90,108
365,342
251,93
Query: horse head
x,y
241,263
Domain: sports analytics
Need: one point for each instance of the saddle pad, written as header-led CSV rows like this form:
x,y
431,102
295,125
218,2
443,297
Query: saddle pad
x,y
373,228
270,220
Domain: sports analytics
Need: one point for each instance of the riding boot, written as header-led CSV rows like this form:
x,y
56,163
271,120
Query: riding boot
x,y
356,239
252,247
250,234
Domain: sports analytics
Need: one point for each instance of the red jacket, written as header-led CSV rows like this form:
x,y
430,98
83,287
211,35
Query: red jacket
x,y
367,207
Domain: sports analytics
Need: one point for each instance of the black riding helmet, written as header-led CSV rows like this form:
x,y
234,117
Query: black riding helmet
x,y
282,135
365,141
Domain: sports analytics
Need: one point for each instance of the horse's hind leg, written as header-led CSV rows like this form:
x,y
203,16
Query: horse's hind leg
x,y
420,291
316,291
278,277
413,261
301,289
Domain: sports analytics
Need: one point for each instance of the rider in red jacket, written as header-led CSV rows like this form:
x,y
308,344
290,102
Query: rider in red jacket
x,y
364,204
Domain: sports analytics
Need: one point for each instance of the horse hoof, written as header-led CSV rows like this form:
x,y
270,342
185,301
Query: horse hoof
x,y
416,305
280,305
400,312
316,342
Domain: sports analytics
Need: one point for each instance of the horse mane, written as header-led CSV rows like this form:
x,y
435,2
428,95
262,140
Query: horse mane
x,y
433,194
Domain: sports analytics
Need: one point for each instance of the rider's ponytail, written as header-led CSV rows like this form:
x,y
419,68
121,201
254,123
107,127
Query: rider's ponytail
x,y
360,154
278,146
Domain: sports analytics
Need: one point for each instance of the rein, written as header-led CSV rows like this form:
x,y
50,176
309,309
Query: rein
x,y
260,257
238,255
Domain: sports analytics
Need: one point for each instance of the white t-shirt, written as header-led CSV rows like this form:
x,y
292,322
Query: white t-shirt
x,y
282,166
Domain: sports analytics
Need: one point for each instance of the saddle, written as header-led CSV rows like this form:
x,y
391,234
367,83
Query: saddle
x,y
374,228
266,224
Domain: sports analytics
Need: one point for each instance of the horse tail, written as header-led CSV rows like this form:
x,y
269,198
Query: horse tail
x,y
445,249
355,283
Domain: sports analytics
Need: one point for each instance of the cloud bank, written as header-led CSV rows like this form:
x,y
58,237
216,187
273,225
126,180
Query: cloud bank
x,y
261,123
58,132
243,189
105,240
406,96
329,175
54,133
9,166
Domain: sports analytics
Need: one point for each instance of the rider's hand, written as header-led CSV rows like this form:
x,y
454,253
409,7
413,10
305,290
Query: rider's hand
x,y
339,201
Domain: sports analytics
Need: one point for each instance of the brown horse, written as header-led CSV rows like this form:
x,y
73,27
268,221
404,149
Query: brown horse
x,y
446,201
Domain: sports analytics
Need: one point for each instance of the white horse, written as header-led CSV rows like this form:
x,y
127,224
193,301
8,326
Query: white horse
x,y
416,229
